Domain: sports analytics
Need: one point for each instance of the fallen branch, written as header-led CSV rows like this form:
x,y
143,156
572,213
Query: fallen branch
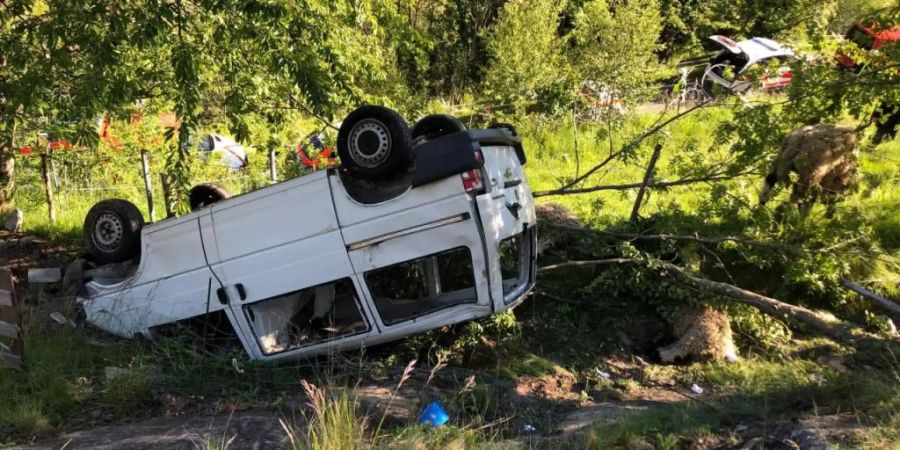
x,y
886,303
629,186
595,262
675,237
825,325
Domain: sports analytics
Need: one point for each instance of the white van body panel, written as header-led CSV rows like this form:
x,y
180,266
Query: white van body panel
x,y
264,257
171,282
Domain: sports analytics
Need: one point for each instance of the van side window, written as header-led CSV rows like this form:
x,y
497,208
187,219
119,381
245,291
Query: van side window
x,y
515,263
309,316
420,286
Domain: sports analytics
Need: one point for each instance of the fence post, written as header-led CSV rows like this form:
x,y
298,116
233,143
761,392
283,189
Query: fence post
x,y
167,194
648,175
53,175
145,167
12,352
45,174
272,174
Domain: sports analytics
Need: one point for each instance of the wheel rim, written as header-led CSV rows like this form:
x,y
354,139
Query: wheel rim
x,y
369,143
108,232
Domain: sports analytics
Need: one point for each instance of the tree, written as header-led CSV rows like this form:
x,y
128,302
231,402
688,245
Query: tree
x,y
614,45
525,64
69,61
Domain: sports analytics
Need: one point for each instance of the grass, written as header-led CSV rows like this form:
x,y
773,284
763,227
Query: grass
x,y
757,390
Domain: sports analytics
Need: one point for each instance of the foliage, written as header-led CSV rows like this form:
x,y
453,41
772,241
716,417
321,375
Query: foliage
x,y
688,23
614,45
526,59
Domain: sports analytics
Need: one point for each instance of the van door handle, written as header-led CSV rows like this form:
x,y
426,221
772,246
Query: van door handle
x,y
241,291
223,296
514,209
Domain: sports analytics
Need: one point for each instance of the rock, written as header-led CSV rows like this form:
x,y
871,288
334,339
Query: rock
x,y
13,221
704,334
46,275
59,318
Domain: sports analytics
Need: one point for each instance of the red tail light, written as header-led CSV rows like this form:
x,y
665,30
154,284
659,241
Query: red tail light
x,y
472,181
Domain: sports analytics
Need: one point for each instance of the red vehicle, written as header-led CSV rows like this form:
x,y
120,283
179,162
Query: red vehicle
x,y
867,38
874,37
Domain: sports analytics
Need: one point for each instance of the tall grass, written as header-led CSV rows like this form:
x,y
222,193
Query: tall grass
x,y
335,422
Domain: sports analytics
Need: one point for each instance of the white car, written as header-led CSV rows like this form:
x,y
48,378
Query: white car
x,y
413,232
232,153
738,57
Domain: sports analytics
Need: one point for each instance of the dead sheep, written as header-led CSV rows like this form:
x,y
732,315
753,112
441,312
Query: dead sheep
x,y
550,215
822,156
704,334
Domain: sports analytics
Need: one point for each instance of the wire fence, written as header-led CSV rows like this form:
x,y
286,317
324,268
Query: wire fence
x,y
56,188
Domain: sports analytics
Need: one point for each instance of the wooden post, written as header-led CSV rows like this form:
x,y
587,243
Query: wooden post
x,y
272,173
45,174
647,176
167,194
12,354
53,175
145,167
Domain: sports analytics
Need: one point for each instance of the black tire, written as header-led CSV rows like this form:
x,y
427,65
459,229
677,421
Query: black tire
x,y
112,231
436,125
374,143
206,194
504,126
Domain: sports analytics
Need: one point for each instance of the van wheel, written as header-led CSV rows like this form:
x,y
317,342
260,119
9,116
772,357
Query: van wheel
x,y
206,194
436,125
112,231
374,143
504,126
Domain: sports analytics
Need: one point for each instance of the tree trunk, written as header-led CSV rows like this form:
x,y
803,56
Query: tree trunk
x,y
7,164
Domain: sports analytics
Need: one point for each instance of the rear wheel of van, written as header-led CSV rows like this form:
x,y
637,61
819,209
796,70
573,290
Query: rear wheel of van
x,y
112,231
434,126
374,143
504,126
206,194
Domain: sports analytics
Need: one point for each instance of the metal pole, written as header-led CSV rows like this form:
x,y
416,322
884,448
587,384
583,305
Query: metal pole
x,y
272,174
45,174
145,167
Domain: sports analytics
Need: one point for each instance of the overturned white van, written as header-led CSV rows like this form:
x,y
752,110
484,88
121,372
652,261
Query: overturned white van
x,y
416,230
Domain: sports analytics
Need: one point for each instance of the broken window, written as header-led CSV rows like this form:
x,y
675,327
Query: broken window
x,y
515,264
309,316
420,286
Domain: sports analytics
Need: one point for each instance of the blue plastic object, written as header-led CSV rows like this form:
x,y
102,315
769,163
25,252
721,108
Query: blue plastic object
x,y
434,414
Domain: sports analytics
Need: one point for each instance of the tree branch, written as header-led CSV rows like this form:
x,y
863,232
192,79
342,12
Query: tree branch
x,y
822,324
628,186
887,304
674,237
648,174
634,143
595,262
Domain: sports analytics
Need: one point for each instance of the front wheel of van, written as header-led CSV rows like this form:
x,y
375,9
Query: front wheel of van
x,y
206,194
374,143
112,231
